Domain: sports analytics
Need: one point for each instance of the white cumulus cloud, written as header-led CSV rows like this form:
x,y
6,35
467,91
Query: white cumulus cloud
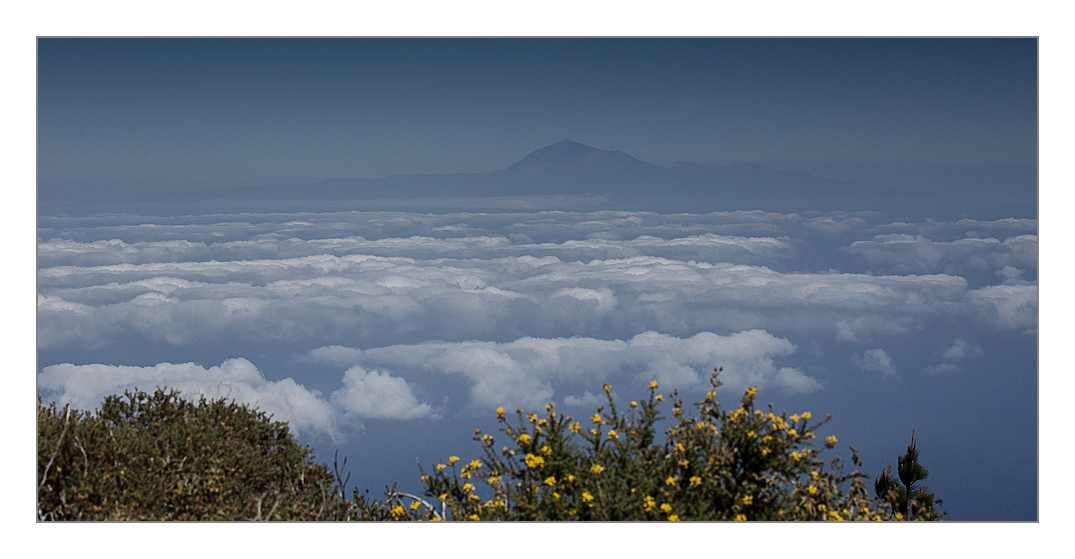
x,y
371,394
962,349
876,361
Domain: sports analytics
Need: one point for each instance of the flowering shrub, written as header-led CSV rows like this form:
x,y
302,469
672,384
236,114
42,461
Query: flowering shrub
x,y
742,464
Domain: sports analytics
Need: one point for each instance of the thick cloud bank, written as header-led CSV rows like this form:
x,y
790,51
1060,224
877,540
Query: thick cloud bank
x,y
533,371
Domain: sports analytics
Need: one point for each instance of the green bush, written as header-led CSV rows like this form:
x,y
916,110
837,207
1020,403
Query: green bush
x,y
160,457
745,464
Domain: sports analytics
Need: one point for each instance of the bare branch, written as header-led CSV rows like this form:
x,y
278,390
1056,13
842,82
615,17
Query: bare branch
x,y
66,422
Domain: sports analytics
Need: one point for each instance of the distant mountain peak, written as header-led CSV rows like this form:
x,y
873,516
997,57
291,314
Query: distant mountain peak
x,y
568,155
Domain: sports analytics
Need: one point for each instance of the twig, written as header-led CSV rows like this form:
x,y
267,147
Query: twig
x,y
274,505
424,502
66,422
86,460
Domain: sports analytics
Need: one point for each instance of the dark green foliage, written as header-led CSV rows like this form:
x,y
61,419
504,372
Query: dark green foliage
x,y
923,505
160,457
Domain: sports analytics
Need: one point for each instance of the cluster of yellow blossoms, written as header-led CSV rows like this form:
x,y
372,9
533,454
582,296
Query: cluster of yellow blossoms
x,y
557,479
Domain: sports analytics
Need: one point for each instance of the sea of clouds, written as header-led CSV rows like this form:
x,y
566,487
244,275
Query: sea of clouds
x,y
517,308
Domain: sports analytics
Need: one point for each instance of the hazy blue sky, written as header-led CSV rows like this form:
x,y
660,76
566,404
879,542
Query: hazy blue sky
x,y
194,114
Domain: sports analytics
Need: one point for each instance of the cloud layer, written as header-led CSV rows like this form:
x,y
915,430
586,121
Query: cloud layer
x,y
513,308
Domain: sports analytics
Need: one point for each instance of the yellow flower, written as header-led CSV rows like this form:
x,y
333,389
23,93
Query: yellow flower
x,y
673,518
550,406
748,500
474,517
441,467
546,450
684,462
740,517
634,404
596,418
586,497
794,418
452,460
752,390
830,441
435,519
500,413
534,461
443,496
607,388
475,464
812,489
415,505
474,498
680,448
653,385
765,452
795,456
523,439
493,480
555,494
570,477
575,427
612,434
699,426
833,515
649,504
595,432
597,468
821,507
712,394
670,481
659,398
806,415
695,481
766,438
814,475
792,433
677,411
752,434
666,508
468,487
551,480
532,418
899,516
397,512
